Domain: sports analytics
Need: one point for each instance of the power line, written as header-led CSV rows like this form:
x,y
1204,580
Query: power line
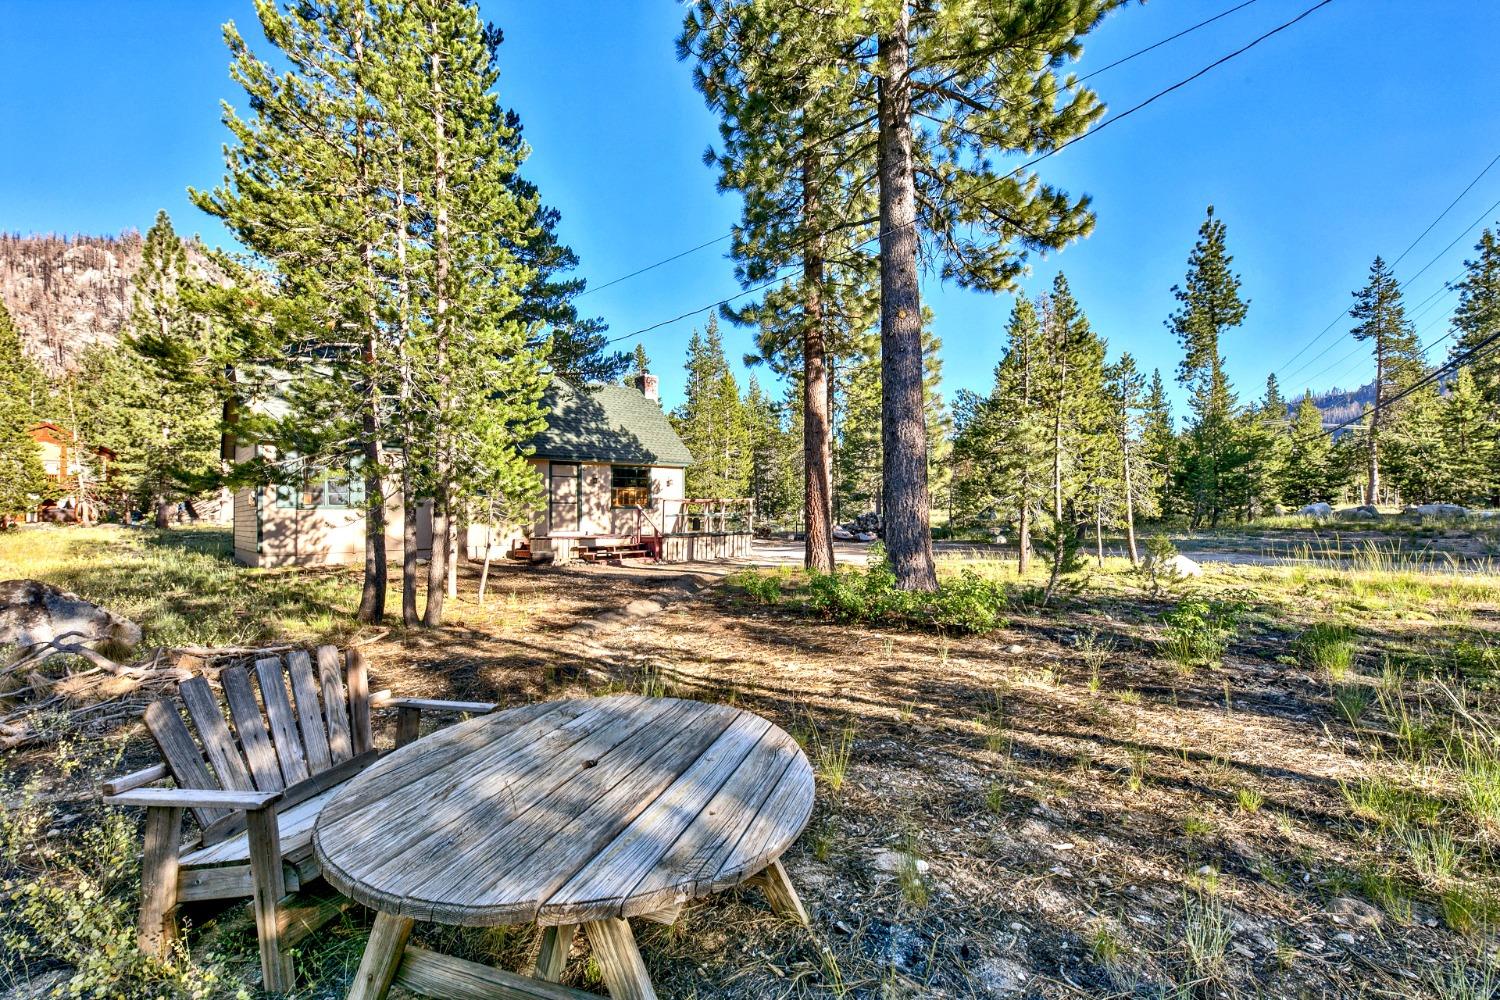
x,y
1437,257
1103,69
778,277
1441,215
1452,365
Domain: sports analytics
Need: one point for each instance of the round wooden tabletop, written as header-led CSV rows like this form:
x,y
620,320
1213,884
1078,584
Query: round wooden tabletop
x,y
567,811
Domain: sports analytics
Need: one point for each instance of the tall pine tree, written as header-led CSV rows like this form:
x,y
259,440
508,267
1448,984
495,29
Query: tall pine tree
x,y
1380,319
22,393
1209,306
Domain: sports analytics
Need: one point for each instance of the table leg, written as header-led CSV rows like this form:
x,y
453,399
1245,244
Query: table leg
x,y
619,959
383,955
777,886
557,943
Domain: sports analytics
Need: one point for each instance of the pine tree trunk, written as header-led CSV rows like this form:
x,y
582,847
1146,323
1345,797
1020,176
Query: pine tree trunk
x,y
437,565
1099,533
817,430
409,501
1135,559
409,616
372,593
1023,538
1373,490
908,536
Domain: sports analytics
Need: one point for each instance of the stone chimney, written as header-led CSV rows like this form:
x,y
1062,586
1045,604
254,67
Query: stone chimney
x,y
645,383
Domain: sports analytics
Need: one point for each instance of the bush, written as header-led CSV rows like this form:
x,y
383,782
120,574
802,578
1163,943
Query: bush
x,y
1330,648
760,587
966,603
1199,630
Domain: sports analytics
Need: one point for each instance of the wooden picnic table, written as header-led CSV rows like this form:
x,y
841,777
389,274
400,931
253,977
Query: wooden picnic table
x,y
568,813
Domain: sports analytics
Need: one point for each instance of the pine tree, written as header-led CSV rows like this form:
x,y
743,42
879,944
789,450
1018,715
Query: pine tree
x,y
640,364
1307,476
773,481
180,457
1137,487
1476,320
1159,443
1381,319
1416,458
1265,433
712,421
1477,317
22,477
950,87
1210,305
1468,442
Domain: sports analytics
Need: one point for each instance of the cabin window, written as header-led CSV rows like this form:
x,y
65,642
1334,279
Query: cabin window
x,y
631,486
320,487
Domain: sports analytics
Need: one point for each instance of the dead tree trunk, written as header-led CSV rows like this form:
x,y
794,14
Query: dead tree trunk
x,y
817,428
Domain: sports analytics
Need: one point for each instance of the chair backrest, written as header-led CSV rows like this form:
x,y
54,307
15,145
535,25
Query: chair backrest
x,y
304,725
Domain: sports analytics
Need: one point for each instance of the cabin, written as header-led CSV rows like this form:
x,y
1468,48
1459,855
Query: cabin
x,y
612,471
71,478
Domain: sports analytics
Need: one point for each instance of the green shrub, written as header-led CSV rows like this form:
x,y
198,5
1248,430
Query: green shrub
x,y
1329,648
760,587
1199,630
967,602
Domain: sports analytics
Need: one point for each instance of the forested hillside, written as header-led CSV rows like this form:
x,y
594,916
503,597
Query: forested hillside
x,y
65,293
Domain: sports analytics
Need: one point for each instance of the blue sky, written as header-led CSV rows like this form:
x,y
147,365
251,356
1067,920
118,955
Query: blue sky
x,y
1340,138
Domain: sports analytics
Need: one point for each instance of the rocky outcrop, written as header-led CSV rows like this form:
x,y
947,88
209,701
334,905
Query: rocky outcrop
x,y
67,293
1316,510
33,612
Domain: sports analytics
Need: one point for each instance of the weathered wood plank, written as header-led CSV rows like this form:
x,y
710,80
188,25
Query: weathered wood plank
x,y
408,725
134,779
229,882
270,886
478,870
156,927
383,954
335,703
297,811
610,874
439,705
213,732
194,798
284,733
181,754
775,825
309,712
407,786
782,895
579,819
694,860
244,712
300,915
619,960
557,945
436,975
358,670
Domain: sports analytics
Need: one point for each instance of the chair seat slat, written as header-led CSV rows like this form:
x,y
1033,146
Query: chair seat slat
x,y
359,701
283,723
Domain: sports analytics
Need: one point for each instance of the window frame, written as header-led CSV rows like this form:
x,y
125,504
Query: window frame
x,y
645,481
292,495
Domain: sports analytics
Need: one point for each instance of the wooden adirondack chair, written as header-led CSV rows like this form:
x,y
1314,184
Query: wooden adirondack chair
x,y
255,784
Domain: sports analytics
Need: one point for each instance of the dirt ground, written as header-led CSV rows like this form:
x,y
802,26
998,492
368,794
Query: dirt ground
x,y
1049,810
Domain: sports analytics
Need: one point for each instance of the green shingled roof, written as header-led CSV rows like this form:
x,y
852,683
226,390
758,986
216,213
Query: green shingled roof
x,y
606,423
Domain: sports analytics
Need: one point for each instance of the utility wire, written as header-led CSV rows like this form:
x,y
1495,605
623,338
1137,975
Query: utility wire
x,y
1438,256
1103,69
778,277
1337,319
1452,365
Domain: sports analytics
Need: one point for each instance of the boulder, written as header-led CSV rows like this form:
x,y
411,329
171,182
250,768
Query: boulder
x,y
33,612
1317,510
1175,565
843,534
1438,510
1365,512
865,536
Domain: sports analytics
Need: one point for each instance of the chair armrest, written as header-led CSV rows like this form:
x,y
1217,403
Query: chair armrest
x,y
193,798
435,705
125,782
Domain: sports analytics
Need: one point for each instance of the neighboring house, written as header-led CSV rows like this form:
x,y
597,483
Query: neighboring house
x,y
612,466
63,466
612,470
